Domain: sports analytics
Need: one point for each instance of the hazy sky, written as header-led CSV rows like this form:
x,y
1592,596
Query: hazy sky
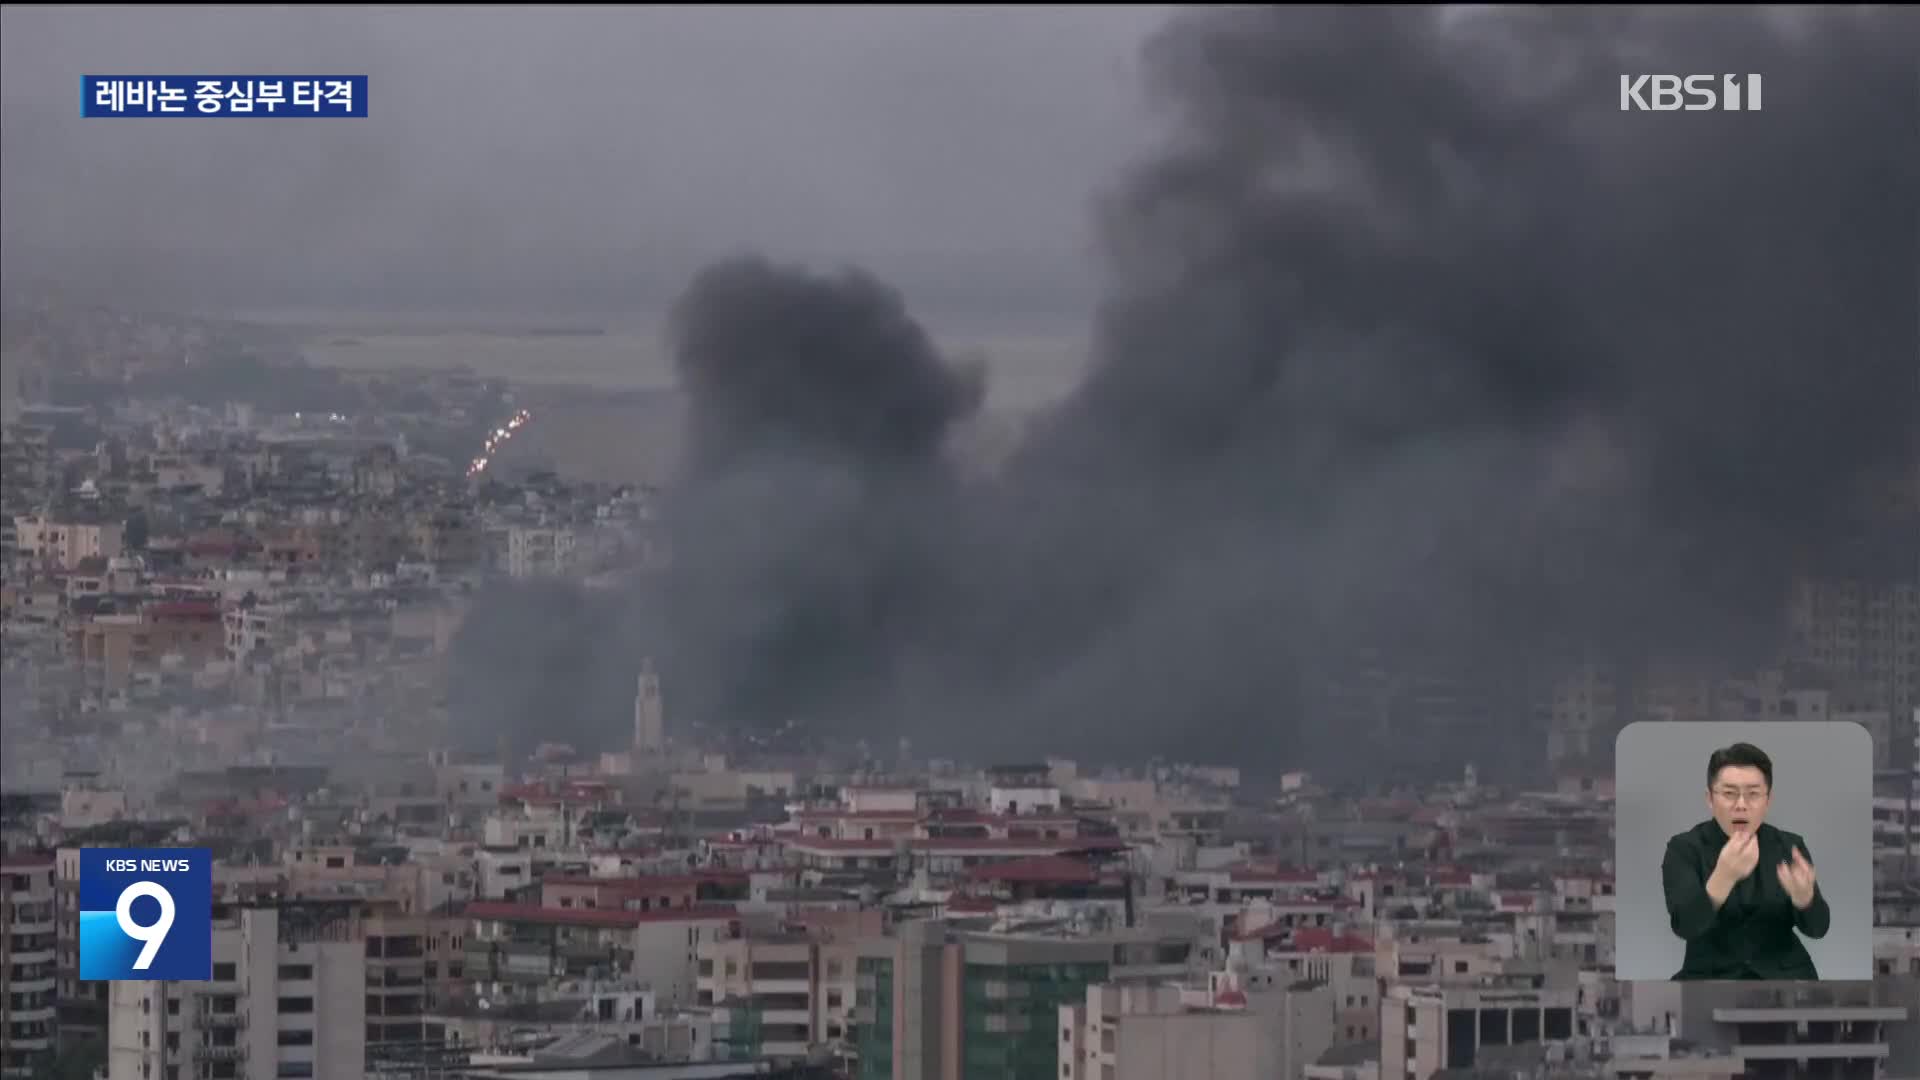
x,y
580,157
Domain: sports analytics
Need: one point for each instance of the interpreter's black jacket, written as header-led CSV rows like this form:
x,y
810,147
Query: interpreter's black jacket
x,y
1751,936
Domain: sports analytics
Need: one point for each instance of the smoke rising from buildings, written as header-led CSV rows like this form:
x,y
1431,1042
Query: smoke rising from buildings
x,y
1417,350
817,400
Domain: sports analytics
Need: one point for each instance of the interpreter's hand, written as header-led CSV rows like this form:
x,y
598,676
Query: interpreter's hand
x,y
1796,876
1738,856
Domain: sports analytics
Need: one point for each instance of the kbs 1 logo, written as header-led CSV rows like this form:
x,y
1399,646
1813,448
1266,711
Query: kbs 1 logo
x,y
146,913
1694,93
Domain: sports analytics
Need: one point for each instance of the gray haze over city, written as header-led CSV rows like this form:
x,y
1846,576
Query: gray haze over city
x,y
585,159
1400,338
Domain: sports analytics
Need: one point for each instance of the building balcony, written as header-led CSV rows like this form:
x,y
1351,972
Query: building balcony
x,y
210,1052
34,957
1787,1014
1810,1051
41,984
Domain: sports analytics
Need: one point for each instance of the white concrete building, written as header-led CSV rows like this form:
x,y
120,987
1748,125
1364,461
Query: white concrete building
x,y
28,976
1428,1028
1153,1033
287,1000
540,552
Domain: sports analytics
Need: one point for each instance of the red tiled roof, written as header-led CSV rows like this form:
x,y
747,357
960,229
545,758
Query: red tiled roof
x,y
1315,939
1230,999
499,911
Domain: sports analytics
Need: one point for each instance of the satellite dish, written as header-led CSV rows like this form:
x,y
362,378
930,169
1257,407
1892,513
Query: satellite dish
x,y
484,1004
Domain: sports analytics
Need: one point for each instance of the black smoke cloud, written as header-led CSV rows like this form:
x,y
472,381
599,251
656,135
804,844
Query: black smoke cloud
x,y
805,524
778,362
1417,348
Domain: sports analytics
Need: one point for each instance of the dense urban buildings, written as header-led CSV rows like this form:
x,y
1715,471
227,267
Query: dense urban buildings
x,y
958,543
230,627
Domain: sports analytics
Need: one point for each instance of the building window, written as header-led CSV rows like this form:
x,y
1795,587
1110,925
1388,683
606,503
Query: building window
x,y
223,973
295,972
294,1006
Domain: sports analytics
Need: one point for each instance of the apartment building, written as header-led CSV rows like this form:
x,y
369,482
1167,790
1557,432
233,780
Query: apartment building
x,y
1424,1029
1585,712
1865,636
1258,963
63,542
112,646
1822,1030
27,963
933,1004
507,947
287,1000
534,552
1159,1033
412,962
82,1005
779,995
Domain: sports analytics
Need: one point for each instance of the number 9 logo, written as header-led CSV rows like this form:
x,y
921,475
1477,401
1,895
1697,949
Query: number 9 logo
x,y
152,934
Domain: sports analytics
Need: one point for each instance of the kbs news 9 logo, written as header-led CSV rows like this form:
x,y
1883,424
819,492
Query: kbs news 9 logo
x,y
146,913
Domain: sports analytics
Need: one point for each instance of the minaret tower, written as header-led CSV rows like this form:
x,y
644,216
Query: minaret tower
x,y
649,721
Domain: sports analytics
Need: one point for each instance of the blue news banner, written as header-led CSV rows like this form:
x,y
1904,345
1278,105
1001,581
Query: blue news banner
x,y
340,96
146,913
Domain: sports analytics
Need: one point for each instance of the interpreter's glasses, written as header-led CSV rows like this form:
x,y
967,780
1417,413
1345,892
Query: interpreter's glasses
x,y
1734,796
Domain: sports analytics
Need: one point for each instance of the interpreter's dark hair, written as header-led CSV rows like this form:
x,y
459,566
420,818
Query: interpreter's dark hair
x,y
1740,755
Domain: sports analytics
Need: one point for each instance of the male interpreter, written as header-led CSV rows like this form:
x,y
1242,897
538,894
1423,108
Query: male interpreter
x,y
1738,888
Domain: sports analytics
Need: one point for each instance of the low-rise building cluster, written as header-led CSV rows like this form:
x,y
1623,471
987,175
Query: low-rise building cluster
x,y
945,923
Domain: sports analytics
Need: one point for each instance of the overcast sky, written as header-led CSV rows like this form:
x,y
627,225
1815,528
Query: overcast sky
x,y
580,157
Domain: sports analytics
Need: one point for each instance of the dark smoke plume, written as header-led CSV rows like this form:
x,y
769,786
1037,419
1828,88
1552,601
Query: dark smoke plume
x,y
1419,352
804,522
